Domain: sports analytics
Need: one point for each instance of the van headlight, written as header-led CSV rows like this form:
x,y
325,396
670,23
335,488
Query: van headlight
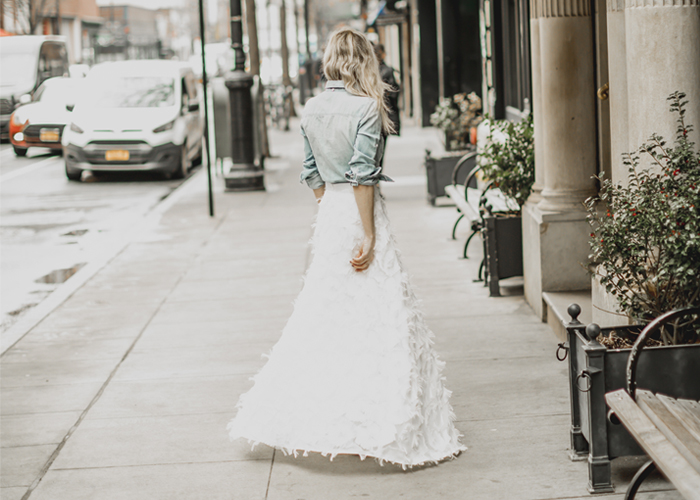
x,y
76,129
163,128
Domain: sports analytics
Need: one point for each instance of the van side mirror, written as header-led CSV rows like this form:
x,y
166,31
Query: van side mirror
x,y
70,107
194,106
25,99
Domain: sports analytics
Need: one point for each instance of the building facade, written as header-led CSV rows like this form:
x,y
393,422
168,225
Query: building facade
x,y
594,73
601,73
128,32
77,20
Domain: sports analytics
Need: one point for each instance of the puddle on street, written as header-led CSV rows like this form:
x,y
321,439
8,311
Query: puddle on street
x,y
60,275
76,232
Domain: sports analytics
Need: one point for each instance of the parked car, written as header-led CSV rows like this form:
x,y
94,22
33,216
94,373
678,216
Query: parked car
x,y
135,115
27,61
41,122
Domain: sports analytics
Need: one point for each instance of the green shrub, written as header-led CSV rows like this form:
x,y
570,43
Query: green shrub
x,y
508,158
646,235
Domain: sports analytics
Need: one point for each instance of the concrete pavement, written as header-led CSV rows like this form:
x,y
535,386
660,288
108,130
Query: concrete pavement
x,y
125,390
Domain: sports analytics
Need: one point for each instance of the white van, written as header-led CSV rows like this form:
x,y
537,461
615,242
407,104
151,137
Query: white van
x,y
26,61
135,115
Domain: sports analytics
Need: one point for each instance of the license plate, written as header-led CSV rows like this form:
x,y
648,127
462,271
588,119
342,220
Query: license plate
x,y
117,155
49,135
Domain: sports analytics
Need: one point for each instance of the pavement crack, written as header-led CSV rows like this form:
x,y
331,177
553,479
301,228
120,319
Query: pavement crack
x,y
269,478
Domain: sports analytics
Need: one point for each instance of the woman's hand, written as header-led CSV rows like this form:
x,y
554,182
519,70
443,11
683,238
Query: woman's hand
x,y
364,196
365,254
319,192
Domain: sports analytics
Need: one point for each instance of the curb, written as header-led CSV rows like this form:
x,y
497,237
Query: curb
x,y
15,333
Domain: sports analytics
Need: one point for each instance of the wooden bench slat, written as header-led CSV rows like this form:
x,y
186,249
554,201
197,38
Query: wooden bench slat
x,y
666,457
683,410
471,208
494,197
692,406
671,427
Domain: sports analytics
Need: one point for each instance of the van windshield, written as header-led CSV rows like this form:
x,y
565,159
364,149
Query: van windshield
x,y
131,92
17,68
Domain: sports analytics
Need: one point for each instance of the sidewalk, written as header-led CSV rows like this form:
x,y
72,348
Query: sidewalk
x,y
125,390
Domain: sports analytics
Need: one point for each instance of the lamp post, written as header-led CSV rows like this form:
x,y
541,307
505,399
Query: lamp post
x,y
243,174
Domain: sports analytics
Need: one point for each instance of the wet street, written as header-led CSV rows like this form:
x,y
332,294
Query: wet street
x,y
51,227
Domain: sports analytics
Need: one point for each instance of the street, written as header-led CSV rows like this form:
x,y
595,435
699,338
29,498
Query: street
x,y
51,224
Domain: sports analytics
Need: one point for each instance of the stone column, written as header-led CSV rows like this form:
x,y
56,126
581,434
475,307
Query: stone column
x,y
605,308
555,231
617,72
535,197
568,91
663,55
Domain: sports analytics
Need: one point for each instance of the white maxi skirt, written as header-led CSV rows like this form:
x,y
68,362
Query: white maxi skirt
x,y
354,371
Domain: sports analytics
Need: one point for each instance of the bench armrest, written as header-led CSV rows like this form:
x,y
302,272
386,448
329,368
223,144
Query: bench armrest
x,y
470,160
642,339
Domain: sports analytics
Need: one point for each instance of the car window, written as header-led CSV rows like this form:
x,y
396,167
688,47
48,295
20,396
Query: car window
x,y
112,91
184,94
52,61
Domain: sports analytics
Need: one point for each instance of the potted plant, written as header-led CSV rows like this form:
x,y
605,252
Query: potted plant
x,y
645,243
507,163
455,116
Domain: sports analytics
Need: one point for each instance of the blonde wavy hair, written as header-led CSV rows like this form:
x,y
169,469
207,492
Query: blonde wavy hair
x,y
350,57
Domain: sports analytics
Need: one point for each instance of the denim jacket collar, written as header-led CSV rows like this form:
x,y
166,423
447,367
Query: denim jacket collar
x,y
335,84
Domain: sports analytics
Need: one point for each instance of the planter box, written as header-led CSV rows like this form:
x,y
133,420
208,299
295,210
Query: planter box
x,y
438,169
503,248
595,370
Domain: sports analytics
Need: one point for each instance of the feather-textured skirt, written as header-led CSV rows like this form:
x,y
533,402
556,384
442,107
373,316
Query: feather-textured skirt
x,y
354,371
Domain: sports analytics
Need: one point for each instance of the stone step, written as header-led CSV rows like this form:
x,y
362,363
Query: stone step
x,y
556,304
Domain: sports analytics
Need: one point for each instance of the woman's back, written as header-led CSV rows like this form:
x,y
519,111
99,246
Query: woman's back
x,y
343,132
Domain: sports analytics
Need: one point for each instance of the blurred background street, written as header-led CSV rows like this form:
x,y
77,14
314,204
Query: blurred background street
x,y
51,228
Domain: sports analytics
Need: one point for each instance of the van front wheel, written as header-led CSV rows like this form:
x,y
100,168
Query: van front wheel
x,y
182,167
73,174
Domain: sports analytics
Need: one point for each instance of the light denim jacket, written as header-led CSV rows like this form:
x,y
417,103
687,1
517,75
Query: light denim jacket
x,y
343,139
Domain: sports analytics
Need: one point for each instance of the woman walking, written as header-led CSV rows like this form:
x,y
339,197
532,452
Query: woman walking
x,y
354,371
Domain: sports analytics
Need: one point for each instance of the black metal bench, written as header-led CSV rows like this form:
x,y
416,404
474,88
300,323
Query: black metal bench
x,y
667,429
470,201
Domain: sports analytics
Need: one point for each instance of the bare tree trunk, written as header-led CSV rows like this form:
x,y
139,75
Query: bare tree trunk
x,y
36,11
252,25
58,17
31,16
286,81
254,54
284,48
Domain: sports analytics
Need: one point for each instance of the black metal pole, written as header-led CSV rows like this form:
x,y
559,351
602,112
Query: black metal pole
x,y
243,175
206,109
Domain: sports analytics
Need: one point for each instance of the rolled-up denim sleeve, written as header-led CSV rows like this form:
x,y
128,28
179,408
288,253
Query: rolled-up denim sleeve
x,y
309,172
363,164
